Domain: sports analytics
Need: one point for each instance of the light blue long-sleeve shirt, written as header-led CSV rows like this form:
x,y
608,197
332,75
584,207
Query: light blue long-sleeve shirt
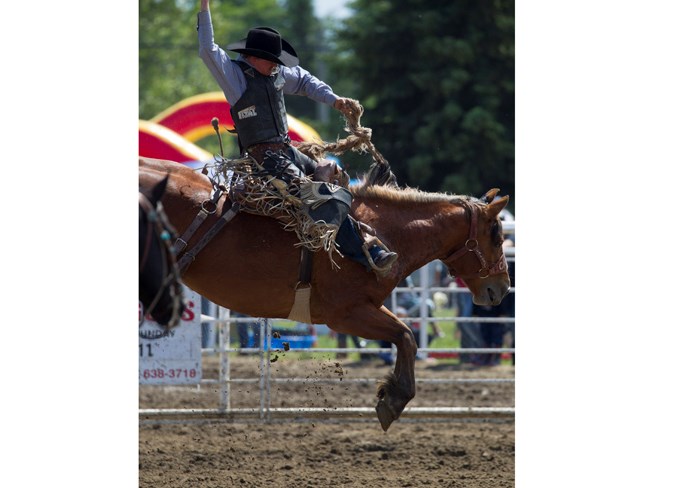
x,y
230,78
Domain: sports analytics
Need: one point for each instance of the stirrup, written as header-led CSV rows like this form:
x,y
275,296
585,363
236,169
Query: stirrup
x,y
381,271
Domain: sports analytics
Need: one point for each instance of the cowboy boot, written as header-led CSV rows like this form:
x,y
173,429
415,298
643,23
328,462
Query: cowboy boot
x,y
351,244
382,259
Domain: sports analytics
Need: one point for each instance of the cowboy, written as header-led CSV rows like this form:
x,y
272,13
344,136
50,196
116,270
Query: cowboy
x,y
254,84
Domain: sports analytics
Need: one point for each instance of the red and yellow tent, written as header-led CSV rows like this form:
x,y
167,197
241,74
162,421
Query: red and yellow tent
x,y
172,134
158,141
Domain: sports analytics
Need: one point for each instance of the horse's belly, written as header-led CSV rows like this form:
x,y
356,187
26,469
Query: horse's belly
x,y
257,280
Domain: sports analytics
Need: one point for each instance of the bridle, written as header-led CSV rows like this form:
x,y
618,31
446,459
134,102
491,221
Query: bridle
x,y
471,245
158,224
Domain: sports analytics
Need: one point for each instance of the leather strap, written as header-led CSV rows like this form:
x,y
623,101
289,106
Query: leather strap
x,y
189,256
258,151
181,243
306,266
471,245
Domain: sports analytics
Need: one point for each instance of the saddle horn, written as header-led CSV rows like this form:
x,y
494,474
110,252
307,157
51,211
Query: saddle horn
x,y
215,124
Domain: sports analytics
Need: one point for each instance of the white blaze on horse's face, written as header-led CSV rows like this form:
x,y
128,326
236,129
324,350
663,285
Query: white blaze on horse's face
x,y
481,262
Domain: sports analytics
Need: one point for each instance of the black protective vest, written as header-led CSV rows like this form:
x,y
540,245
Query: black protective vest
x,y
260,115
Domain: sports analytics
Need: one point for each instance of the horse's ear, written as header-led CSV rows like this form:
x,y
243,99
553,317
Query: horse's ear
x,y
380,174
489,196
497,205
159,190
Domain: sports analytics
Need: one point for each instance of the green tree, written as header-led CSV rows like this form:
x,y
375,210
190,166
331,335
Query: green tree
x,y
169,66
170,69
303,31
437,83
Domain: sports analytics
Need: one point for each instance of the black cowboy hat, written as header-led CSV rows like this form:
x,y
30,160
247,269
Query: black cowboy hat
x,y
266,43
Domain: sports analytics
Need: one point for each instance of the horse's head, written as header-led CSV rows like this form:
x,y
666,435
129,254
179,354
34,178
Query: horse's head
x,y
480,262
160,289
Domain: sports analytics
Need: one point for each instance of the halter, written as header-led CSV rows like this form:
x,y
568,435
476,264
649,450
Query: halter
x,y
472,245
157,218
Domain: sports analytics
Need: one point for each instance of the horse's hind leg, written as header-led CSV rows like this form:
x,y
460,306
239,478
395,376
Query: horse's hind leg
x,y
399,387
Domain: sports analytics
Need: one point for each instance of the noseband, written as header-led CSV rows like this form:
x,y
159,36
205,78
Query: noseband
x,y
157,222
472,246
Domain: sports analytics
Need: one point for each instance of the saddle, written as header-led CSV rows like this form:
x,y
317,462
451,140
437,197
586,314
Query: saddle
x,y
315,208
275,187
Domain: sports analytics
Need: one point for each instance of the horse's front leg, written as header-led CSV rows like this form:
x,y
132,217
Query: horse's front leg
x,y
399,387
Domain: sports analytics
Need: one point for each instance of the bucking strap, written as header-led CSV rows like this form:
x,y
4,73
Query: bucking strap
x,y
305,267
300,310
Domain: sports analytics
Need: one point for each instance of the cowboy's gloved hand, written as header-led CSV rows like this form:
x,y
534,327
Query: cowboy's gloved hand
x,y
342,105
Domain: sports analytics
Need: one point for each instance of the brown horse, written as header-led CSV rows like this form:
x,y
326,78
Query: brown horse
x,y
252,265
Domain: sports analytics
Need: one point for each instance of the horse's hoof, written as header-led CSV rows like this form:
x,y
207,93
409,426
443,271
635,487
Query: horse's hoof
x,y
385,415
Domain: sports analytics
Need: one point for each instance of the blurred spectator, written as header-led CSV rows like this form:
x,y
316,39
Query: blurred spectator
x,y
470,332
408,304
441,279
508,304
493,333
209,329
507,307
406,298
415,326
249,333
342,340
403,301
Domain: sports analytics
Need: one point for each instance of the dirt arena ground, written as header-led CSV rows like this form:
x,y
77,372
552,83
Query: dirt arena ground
x,y
336,453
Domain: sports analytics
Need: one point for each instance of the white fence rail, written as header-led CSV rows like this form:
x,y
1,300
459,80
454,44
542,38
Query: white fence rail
x,y
266,412
223,321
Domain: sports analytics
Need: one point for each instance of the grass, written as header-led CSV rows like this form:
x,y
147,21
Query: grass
x,y
450,339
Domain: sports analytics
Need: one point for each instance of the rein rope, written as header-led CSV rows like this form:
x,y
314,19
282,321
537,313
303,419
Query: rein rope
x,y
358,141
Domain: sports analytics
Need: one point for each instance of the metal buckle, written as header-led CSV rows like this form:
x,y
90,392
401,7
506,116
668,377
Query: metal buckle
x,y
202,205
471,245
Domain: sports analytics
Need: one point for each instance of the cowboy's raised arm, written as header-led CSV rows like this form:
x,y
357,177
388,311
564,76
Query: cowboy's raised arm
x,y
228,76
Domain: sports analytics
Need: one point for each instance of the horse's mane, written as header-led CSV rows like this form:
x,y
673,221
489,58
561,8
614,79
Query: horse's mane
x,y
380,183
406,195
